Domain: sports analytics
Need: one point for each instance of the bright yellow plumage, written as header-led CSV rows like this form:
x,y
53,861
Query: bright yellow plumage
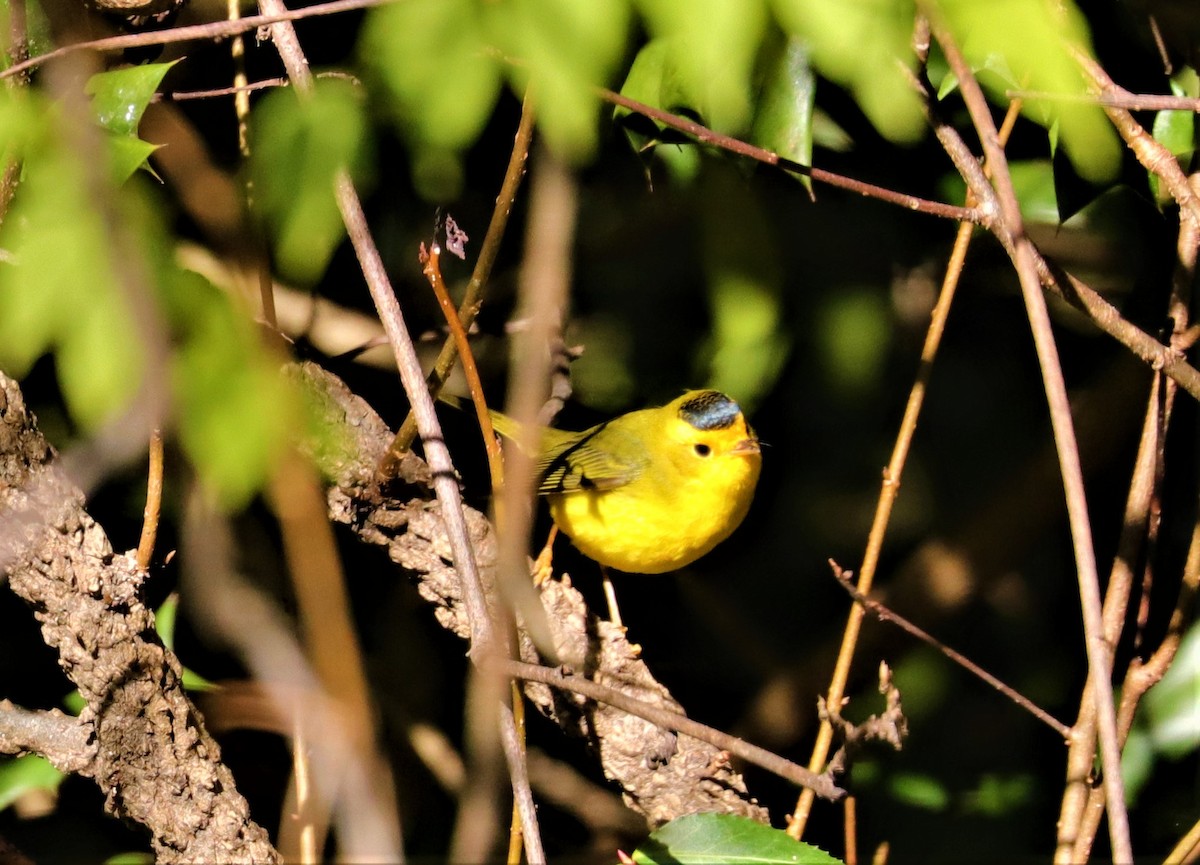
x,y
652,490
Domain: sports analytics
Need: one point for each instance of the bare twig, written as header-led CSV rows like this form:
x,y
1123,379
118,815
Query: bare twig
x,y
473,299
213,30
886,615
1082,750
1117,97
707,136
1099,653
887,497
1154,156
565,680
154,490
445,480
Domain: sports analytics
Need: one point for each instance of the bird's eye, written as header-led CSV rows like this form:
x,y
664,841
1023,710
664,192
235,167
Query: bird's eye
x,y
702,450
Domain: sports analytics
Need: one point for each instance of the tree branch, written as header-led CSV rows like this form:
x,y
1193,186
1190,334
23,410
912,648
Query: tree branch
x,y
153,758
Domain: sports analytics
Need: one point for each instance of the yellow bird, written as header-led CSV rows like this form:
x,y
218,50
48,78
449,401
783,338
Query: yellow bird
x,y
652,490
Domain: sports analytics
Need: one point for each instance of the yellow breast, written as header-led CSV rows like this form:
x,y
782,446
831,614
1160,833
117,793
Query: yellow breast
x,y
689,497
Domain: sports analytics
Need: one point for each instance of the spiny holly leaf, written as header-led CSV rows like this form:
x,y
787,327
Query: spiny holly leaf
x,y
783,121
709,839
119,98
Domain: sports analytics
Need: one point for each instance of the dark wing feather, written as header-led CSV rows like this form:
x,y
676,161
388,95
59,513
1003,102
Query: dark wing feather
x,y
581,462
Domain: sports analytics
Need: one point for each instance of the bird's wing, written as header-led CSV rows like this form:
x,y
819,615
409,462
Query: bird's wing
x,y
581,461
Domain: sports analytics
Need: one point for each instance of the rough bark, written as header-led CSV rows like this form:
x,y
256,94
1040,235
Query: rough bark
x,y
146,745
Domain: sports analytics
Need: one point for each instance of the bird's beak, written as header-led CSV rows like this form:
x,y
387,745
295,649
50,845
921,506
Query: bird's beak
x,y
747,446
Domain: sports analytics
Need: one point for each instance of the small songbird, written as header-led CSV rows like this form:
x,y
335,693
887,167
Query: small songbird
x,y
652,490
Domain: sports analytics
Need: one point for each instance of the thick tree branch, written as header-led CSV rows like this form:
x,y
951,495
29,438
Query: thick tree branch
x,y
153,757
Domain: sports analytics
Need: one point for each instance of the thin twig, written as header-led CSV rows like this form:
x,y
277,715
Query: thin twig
x,y
1154,156
473,298
884,614
1188,848
432,270
185,95
708,136
1082,750
560,678
1169,359
887,497
1098,651
1140,678
213,30
154,490
445,479
1118,98
850,827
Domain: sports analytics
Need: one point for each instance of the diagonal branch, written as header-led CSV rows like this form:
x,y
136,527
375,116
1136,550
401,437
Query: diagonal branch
x,y
153,757
1099,652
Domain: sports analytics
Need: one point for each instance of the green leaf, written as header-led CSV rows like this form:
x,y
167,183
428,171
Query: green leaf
x,y
127,155
27,774
709,50
64,290
855,333
566,50
1176,131
1026,44
234,408
652,82
298,147
784,119
1172,706
120,97
701,839
130,858
440,78
861,45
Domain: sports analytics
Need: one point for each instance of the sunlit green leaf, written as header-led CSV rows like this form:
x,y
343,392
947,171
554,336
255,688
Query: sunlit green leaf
x,y
25,774
1176,131
566,49
127,155
64,289
708,52
783,122
1025,44
1172,706
439,75
861,44
298,146
708,839
652,82
120,97
234,408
